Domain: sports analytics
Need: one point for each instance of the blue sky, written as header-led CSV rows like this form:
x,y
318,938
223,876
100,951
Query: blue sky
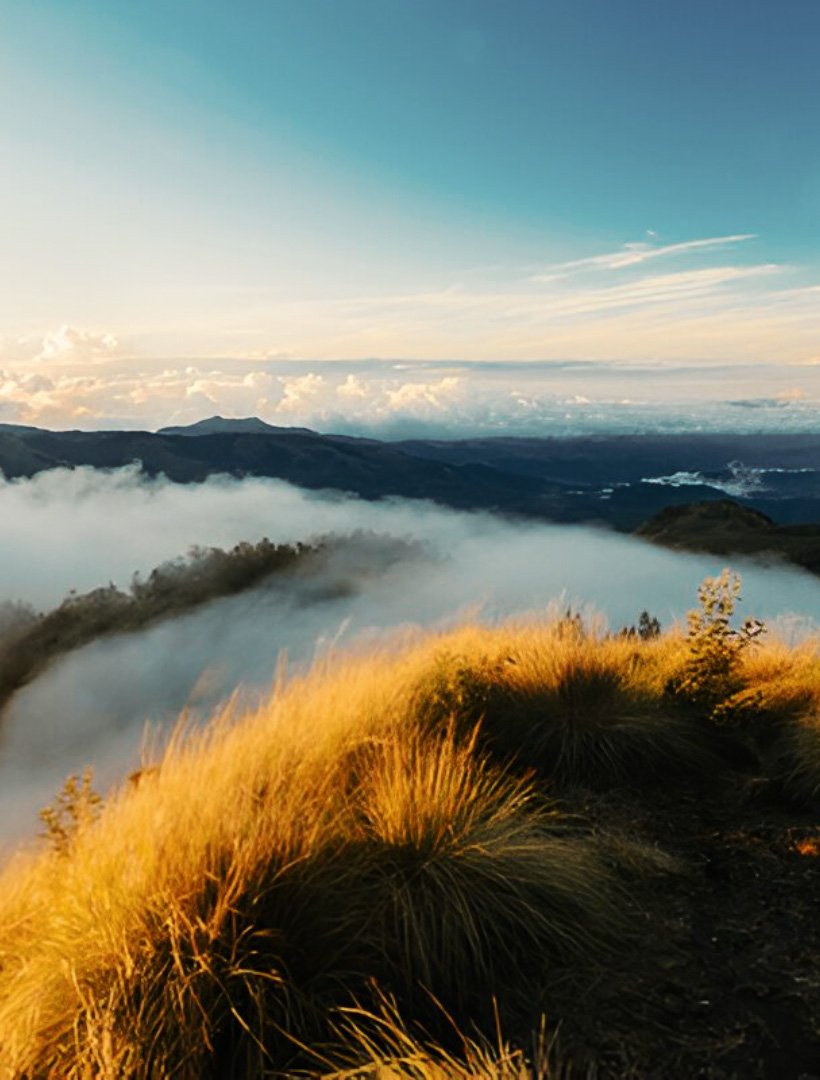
x,y
461,179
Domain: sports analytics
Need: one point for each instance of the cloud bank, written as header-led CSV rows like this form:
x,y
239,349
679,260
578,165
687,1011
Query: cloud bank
x,y
398,399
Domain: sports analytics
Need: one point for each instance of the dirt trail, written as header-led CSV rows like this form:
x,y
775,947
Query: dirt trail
x,y
723,978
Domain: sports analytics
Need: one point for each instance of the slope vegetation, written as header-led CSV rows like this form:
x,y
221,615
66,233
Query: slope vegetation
x,y
30,642
581,842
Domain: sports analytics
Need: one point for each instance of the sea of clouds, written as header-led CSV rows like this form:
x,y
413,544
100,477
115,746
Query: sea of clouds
x,y
405,399
83,528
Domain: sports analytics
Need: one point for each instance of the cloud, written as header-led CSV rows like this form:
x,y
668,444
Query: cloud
x,y
115,523
684,285
633,254
353,387
70,345
66,347
419,397
299,390
726,312
386,399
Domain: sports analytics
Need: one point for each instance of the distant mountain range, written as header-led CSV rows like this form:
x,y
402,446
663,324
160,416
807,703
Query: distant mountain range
x,y
619,481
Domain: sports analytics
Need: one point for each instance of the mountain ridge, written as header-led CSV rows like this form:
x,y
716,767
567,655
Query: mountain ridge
x,y
621,482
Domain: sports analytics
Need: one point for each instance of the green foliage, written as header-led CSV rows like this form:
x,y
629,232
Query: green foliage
x,y
648,628
711,674
76,806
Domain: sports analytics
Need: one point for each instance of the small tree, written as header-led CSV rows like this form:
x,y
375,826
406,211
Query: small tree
x,y
648,628
77,805
711,674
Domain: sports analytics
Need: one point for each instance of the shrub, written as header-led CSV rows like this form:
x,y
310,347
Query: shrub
x,y
76,807
711,674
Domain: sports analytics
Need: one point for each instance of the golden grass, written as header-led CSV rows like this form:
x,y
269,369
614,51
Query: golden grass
x,y
577,708
378,1044
271,867
373,823
781,704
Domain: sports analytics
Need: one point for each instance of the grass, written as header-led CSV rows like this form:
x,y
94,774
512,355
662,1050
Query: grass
x,y
271,868
778,707
376,842
577,708
379,1044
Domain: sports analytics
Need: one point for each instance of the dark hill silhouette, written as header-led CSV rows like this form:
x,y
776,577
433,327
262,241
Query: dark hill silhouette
x,y
220,425
725,527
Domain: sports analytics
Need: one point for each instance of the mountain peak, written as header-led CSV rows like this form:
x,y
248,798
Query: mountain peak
x,y
221,425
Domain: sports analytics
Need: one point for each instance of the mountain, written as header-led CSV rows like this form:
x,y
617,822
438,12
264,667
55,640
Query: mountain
x,y
219,425
727,528
618,481
17,457
364,467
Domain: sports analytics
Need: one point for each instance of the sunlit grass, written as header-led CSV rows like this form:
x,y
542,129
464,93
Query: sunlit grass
x,y
580,709
272,867
377,837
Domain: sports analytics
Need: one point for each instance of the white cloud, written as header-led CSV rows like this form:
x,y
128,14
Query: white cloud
x,y
423,397
70,345
352,387
633,254
392,400
729,312
113,523
299,390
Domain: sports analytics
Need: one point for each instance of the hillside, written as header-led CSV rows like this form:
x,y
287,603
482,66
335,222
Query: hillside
x,y
31,641
363,467
619,481
403,851
726,528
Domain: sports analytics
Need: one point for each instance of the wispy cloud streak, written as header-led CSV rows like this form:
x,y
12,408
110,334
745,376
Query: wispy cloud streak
x,y
633,254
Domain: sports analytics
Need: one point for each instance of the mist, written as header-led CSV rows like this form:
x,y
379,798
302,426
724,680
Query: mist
x,y
83,529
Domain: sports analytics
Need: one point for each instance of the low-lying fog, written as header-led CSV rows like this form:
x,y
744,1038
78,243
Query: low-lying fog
x,y
81,529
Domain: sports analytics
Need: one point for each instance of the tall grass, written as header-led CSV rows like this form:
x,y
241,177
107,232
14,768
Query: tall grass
x,y
272,868
379,1044
781,704
580,709
379,826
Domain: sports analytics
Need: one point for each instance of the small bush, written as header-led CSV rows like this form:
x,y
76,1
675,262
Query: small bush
x,y
76,806
711,674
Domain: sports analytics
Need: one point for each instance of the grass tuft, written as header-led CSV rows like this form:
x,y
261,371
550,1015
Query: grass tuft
x,y
580,710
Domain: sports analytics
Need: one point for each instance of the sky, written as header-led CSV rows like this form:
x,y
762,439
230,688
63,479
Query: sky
x,y
196,193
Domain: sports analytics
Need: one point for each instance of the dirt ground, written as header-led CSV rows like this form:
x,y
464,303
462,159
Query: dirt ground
x,y
722,979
